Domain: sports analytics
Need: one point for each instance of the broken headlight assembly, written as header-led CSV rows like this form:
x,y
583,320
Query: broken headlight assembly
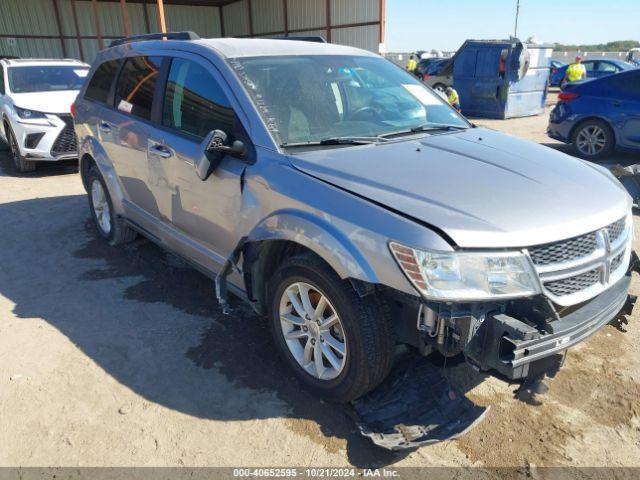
x,y
467,276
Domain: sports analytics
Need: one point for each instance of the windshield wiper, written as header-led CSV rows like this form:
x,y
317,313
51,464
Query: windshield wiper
x,y
337,141
425,127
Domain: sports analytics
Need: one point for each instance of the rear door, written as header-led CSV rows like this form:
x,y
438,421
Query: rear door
x,y
128,125
200,217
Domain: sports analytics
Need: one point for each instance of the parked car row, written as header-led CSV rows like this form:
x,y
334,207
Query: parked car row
x,y
595,69
35,101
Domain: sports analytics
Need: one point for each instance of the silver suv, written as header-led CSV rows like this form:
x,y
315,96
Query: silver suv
x,y
350,205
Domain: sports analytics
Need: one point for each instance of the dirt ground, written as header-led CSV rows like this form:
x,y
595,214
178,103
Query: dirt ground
x,y
121,357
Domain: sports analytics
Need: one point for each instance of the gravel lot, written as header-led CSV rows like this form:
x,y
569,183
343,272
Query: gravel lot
x,y
120,357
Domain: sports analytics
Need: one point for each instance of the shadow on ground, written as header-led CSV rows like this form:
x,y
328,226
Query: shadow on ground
x,y
153,324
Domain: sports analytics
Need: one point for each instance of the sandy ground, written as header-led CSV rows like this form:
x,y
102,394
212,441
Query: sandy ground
x,y
120,357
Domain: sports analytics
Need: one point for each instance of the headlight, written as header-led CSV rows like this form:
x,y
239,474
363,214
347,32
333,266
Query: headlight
x,y
467,276
29,114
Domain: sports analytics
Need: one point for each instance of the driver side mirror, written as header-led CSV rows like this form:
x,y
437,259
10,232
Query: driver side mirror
x,y
213,149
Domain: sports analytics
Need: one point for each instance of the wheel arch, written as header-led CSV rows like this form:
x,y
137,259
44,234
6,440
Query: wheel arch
x,y
91,153
585,119
286,233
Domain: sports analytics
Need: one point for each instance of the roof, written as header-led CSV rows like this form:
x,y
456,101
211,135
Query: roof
x,y
43,61
260,47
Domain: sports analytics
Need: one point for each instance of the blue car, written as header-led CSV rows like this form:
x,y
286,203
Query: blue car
x,y
598,116
595,69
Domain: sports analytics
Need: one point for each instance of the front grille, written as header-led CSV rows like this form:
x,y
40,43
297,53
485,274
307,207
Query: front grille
x,y
617,260
598,255
67,142
564,251
570,285
616,229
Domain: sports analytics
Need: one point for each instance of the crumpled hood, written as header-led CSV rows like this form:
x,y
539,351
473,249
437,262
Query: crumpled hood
x,y
482,188
47,102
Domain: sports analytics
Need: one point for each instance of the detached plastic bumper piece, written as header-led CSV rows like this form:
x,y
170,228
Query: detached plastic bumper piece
x,y
513,348
415,406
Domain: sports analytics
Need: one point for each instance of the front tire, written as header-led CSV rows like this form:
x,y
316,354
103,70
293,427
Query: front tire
x,y
20,163
109,226
593,140
338,344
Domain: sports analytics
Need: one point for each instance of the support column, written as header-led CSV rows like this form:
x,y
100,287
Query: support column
x,y
56,11
162,24
75,23
145,10
383,19
125,18
285,17
250,11
221,12
329,21
96,18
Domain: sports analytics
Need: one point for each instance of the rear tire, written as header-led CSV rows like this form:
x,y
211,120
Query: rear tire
x,y
355,352
20,163
593,140
110,227
440,87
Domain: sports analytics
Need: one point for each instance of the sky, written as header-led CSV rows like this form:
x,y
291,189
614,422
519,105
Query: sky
x,y
444,25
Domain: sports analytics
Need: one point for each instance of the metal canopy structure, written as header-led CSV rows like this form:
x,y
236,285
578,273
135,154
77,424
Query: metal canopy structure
x,y
79,28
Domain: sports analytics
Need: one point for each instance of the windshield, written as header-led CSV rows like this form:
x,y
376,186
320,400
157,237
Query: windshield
x,y
314,98
47,78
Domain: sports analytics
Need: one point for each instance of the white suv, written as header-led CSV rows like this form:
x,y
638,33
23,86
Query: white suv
x,y
35,102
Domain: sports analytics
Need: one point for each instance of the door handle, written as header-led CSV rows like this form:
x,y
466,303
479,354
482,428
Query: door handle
x,y
617,103
160,151
105,127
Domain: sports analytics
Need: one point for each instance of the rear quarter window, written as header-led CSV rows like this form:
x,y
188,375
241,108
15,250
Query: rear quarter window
x,y
100,84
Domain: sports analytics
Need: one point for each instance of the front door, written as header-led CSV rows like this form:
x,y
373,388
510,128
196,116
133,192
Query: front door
x,y
202,216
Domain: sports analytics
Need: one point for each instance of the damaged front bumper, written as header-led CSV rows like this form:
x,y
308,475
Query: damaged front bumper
x,y
517,339
513,348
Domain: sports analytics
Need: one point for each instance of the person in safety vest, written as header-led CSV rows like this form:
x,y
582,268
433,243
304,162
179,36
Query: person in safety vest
x,y
411,64
452,98
575,71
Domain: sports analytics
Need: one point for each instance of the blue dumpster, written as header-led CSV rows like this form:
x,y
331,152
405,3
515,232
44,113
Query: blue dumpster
x,y
501,78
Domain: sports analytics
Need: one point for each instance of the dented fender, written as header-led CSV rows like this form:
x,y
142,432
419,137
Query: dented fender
x,y
318,236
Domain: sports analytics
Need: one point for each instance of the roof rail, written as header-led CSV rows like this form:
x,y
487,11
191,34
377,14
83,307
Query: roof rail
x,y
156,36
315,38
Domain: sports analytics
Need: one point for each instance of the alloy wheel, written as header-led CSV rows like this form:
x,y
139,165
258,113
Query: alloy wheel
x,y
313,331
591,140
101,207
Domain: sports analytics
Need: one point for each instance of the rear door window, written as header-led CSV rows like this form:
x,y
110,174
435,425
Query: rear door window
x,y
194,102
100,84
607,67
136,86
589,66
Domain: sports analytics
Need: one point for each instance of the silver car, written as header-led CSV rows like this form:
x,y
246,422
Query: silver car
x,y
350,205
